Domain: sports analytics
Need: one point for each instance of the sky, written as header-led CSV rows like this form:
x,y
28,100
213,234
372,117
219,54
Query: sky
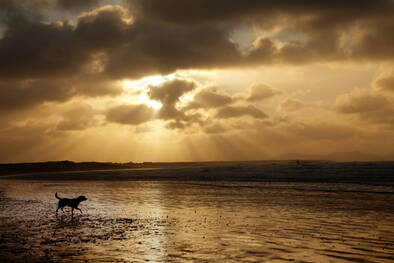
x,y
196,80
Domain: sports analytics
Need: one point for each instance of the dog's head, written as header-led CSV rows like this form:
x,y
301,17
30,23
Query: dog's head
x,y
82,198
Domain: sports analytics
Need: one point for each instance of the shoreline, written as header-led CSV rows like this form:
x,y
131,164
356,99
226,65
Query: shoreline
x,y
318,172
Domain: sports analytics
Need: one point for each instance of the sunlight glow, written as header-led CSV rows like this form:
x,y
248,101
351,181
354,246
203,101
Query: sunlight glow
x,y
144,99
144,83
186,99
138,90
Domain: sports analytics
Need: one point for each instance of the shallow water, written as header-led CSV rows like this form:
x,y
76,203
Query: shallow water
x,y
197,222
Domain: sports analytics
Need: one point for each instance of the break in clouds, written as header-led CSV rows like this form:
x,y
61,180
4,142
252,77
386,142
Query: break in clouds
x,y
66,69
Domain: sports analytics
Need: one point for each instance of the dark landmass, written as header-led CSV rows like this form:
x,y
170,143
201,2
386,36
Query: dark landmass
x,y
337,156
18,168
247,171
61,166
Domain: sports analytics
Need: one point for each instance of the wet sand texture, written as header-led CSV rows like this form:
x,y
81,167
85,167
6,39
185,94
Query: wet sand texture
x,y
131,221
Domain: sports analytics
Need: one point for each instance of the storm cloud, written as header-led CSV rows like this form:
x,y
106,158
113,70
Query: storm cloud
x,y
281,74
153,37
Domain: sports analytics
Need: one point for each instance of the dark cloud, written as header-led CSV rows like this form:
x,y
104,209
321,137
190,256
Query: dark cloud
x,y
264,51
139,46
20,94
42,60
322,24
31,48
261,92
168,93
74,4
130,114
104,28
377,42
195,11
56,4
24,94
238,111
163,48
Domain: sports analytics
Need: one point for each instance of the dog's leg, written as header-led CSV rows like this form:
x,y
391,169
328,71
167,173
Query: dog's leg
x,y
72,212
79,209
57,210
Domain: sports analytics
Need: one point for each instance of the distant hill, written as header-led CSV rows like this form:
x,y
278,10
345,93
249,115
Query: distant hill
x,y
14,168
57,166
335,156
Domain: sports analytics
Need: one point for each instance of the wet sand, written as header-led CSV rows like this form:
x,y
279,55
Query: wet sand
x,y
197,221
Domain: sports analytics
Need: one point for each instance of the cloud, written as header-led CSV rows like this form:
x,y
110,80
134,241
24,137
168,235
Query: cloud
x,y
31,48
324,27
292,105
162,48
191,37
62,5
195,11
168,93
359,102
24,94
130,114
386,84
79,117
261,92
113,44
376,42
215,128
75,4
321,131
16,145
368,105
210,98
238,111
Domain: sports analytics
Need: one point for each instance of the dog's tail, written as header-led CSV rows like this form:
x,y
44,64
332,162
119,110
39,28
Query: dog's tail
x,y
57,196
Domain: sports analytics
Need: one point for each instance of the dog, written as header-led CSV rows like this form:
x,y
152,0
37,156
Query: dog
x,y
73,203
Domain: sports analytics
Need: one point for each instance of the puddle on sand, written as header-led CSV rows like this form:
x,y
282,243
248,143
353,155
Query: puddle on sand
x,y
196,222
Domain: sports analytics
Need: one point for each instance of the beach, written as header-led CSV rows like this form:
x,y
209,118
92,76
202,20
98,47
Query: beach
x,y
132,216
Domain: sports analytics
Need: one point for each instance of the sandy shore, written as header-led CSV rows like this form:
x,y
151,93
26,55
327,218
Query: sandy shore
x,y
259,213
